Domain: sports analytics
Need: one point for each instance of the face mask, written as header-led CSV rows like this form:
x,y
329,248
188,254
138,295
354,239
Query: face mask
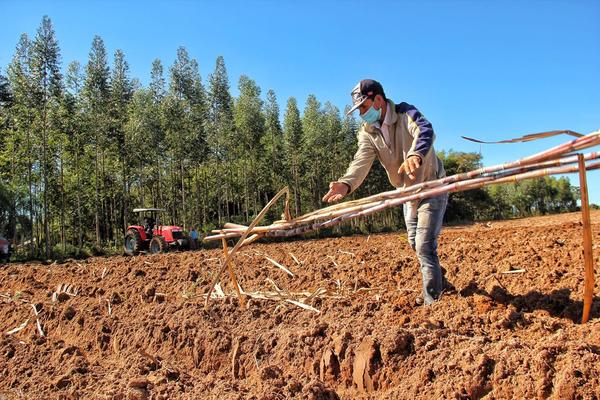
x,y
371,115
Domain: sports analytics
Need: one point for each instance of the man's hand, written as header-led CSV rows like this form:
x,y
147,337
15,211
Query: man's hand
x,y
410,166
337,190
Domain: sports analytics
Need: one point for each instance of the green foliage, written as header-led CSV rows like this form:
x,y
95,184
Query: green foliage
x,y
470,205
531,197
6,205
293,143
536,197
69,250
314,152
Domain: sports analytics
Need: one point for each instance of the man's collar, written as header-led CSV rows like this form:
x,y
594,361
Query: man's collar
x,y
389,114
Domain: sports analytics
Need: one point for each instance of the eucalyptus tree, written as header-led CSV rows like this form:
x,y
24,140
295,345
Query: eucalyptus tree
x,y
142,124
5,104
47,88
152,144
349,144
184,112
79,170
293,143
334,137
272,159
8,201
157,81
96,94
20,148
316,150
220,137
5,123
121,91
249,128
198,146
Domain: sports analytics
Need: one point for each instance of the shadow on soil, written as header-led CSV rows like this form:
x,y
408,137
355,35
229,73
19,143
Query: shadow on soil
x,y
557,303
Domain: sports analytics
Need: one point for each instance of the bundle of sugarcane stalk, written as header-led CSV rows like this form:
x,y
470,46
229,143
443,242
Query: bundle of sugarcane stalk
x,y
557,160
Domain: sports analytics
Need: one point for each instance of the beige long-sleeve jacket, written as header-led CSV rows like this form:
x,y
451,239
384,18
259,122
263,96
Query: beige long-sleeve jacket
x,y
409,134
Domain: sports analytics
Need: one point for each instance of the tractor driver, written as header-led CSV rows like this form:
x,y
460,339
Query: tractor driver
x,y
148,226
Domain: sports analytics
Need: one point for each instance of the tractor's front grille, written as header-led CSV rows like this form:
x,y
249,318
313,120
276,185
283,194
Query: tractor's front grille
x,y
177,235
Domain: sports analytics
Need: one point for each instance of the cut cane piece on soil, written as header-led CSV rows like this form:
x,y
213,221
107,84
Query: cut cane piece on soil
x,y
275,263
302,305
64,289
18,328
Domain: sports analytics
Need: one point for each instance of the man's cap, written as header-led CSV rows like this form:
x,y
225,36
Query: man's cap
x,y
365,89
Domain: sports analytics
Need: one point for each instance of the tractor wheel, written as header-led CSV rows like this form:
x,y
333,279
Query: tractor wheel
x,y
158,244
133,242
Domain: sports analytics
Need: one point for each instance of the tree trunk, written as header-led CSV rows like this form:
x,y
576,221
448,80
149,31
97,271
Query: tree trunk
x,y
227,192
79,230
141,186
38,226
297,189
62,206
31,211
125,198
219,193
246,194
182,193
45,177
105,221
205,197
97,184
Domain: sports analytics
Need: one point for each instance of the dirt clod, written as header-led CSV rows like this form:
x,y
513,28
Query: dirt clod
x,y
149,291
69,313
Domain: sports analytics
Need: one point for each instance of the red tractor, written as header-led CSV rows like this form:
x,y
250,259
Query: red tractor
x,y
152,236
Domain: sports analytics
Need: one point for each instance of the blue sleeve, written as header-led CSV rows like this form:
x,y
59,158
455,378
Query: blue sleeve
x,y
424,136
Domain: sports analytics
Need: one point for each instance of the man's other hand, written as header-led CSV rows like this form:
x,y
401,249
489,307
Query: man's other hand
x,y
410,166
337,190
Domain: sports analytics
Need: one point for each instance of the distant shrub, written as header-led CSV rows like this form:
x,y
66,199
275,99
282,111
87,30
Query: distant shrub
x,y
94,250
69,251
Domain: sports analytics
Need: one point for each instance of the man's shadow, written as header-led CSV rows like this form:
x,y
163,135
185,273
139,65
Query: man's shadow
x,y
557,303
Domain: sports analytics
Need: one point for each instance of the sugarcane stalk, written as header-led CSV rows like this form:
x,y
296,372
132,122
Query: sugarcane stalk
x,y
577,144
457,186
573,145
541,159
240,242
588,255
251,239
498,177
234,281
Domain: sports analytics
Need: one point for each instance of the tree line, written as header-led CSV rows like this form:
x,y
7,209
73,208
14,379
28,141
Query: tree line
x,y
81,147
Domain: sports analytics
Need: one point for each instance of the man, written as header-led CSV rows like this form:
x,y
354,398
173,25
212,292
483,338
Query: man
x,y
148,226
4,250
194,238
402,139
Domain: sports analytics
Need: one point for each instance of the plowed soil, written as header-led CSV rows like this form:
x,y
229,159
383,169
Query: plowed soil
x,y
136,328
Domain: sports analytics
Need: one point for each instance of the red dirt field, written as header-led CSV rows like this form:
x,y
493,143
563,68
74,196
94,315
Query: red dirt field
x,y
136,328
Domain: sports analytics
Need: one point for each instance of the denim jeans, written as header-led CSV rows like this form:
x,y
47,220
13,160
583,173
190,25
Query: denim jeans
x,y
423,224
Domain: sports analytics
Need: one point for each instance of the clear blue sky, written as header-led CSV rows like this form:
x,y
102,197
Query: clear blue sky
x,y
487,69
